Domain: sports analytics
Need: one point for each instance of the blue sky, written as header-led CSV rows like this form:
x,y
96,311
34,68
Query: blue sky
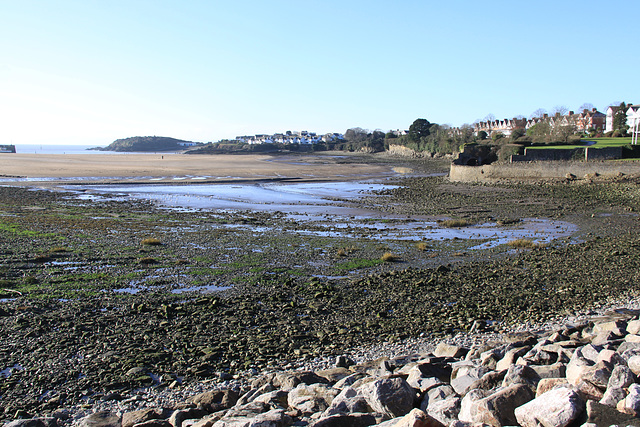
x,y
89,71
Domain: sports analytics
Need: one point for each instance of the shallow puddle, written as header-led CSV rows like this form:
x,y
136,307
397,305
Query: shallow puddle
x,y
322,209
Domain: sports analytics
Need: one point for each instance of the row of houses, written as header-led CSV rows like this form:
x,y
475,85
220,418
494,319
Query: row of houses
x,y
585,121
289,137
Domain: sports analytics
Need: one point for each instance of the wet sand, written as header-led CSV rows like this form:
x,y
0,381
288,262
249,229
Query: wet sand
x,y
145,167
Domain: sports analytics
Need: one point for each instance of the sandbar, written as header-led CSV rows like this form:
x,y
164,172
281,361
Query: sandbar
x,y
167,167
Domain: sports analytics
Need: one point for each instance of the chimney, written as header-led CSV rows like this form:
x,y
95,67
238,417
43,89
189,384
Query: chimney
x,y
570,113
594,109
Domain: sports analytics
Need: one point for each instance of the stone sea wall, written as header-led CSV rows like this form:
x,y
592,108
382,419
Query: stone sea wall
x,y
541,170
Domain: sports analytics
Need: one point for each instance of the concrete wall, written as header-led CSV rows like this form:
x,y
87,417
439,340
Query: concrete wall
x,y
540,170
609,153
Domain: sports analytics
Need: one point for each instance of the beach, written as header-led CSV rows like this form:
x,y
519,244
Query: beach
x,y
144,167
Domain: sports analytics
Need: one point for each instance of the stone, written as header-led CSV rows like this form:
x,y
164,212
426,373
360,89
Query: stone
x,y
498,408
598,375
311,398
390,396
510,357
489,381
445,411
289,380
33,422
349,381
634,364
274,398
136,417
343,420
469,404
423,384
334,375
621,377
587,390
520,374
633,327
177,417
631,403
558,407
618,327
556,370
249,410
626,346
547,384
632,338
154,423
273,418
466,376
215,400
613,396
418,418
101,419
346,402
447,350
434,369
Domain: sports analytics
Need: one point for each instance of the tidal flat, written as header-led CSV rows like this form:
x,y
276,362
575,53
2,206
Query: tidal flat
x,y
108,293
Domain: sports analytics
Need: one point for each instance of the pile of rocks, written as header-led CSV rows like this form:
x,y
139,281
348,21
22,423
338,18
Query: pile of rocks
x,y
581,374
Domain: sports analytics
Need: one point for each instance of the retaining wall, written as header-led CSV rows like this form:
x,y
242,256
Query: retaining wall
x,y
540,170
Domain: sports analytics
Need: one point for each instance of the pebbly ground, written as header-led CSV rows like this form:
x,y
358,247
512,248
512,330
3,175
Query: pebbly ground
x,y
105,298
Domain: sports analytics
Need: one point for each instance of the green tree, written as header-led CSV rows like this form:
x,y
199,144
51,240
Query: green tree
x,y
482,135
620,119
420,128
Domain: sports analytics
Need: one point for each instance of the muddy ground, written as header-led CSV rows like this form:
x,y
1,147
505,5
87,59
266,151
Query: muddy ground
x,y
107,296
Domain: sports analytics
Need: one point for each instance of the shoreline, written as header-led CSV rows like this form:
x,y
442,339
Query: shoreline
x,y
41,169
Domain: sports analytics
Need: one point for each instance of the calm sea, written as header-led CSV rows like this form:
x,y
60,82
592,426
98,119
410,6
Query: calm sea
x,y
56,149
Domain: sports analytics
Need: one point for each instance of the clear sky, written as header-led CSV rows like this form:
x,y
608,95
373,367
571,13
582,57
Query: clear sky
x,y
92,71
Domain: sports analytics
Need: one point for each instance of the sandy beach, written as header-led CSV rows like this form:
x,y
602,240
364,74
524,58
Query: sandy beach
x,y
116,167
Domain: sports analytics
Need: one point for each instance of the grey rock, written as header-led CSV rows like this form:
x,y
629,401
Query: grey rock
x,y
613,396
621,377
343,420
447,350
390,396
558,407
498,408
33,422
445,411
311,398
346,402
101,419
136,417
520,374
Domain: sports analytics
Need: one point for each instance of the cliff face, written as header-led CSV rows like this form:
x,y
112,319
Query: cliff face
x,y
146,143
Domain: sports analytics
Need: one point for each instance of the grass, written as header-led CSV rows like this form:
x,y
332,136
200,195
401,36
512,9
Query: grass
x,y
357,263
388,257
422,246
600,143
454,223
523,244
151,241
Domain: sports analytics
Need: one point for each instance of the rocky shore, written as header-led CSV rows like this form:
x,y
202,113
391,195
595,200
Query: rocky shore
x,y
582,370
106,305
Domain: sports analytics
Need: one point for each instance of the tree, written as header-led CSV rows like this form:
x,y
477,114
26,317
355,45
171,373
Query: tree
x,y
489,118
540,112
356,135
559,110
420,128
586,106
482,135
620,119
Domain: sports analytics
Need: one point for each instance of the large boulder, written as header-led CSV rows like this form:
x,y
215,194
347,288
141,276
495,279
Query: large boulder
x,y
558,407
389,396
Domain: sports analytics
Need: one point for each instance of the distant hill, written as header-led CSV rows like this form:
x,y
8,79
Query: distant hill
x,y
147,143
